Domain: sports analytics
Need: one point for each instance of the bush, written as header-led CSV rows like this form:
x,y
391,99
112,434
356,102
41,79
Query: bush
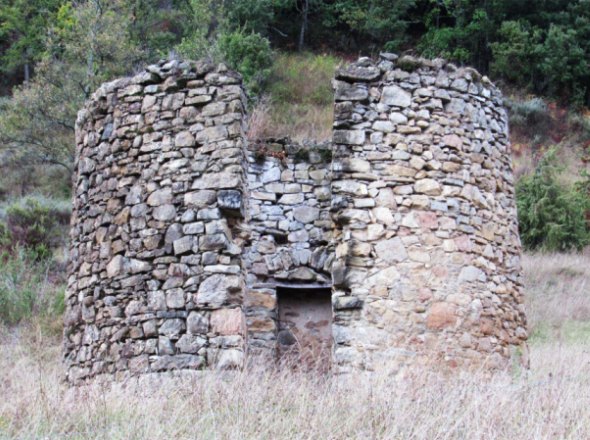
x,y
526,113
249,54
35,223
26,289
551,216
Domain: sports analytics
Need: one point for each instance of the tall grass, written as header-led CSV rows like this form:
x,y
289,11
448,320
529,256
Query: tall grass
x,y
550,402
29,289
558,297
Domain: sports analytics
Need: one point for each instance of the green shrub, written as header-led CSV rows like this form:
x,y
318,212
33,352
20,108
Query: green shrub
x,y
551,216
26,288
581,124
248,53
36,224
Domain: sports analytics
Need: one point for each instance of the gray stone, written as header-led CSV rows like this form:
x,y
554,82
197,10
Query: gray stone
x,y
358,73
306,214
396,96
183,245
349,137
391,251
347,303
172,328
215,290
199,199
428,186
184,139
398,118
471,274
165,213
191,343
229,200
175,299
350,92
197,323
384,126
160,197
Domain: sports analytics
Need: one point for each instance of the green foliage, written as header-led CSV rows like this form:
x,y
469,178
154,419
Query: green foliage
x,y
564,64
199,39
23,26
251,15
89,44
36,224
154,28
545,48
459,31
26,288
514,53
215,34
375,21
249,54
551,216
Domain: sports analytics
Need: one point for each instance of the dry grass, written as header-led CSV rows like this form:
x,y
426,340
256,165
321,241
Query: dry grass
x,y
300,122
558,287
550,402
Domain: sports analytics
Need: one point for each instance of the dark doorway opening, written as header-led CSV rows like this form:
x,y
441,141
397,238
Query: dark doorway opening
x,y
305,328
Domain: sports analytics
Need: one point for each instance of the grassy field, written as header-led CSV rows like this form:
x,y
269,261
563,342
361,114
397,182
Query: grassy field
x,y
551,401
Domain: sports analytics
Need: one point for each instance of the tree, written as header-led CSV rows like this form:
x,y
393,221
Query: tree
x,y
551,216
89,44
23,29
514,54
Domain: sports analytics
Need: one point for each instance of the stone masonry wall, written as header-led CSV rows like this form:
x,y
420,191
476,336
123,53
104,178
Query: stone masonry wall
x,y
182,234
156,277
427,247
290,231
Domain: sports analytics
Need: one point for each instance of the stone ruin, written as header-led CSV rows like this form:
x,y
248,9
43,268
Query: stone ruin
x,y
193,248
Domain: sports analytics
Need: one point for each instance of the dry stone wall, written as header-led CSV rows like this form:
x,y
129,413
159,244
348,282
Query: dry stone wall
x,y
156,276
183,235
427,247
290,231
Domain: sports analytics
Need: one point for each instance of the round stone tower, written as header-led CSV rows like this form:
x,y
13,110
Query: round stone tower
x,y
426,233
156,281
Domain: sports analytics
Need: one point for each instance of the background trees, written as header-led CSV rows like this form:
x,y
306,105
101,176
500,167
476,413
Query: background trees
x,y
55,53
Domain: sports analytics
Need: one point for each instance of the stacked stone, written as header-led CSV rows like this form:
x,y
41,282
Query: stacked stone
x,y
290,232
427,249
181,235
156,278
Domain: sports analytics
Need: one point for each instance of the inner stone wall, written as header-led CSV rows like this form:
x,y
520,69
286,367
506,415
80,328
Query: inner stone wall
x,y
290,231
427,247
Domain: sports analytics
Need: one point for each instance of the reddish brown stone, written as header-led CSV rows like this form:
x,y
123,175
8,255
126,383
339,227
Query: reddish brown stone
x,y
228,322
428,220
441,315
